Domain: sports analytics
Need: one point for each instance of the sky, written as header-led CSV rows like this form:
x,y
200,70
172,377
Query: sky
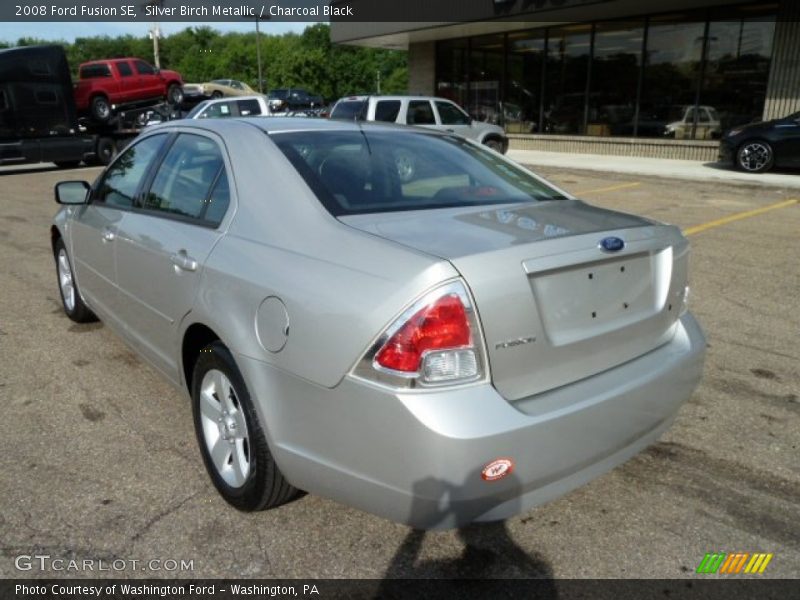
x,y
11,32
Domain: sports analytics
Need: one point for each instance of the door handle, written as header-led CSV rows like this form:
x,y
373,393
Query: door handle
x,y
183,261
108,235
451,130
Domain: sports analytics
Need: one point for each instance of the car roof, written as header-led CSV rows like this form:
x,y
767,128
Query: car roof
x,y
392,97
284,124
110,60
235,98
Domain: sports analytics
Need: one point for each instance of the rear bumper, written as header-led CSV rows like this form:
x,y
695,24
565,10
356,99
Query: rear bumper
x,y
417,458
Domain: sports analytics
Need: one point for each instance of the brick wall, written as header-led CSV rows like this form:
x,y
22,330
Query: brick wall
x,y
706,151
422,68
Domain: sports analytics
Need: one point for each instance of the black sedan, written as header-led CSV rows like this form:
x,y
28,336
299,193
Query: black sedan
x,y
760,146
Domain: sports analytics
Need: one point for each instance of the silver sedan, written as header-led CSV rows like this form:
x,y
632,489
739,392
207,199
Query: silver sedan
x,y
400,320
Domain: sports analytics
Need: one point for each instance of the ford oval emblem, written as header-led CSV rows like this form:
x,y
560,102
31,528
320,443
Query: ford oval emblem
x,y
612,244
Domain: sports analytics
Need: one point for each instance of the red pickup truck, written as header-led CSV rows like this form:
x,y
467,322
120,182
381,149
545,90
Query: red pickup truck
x,y
104,85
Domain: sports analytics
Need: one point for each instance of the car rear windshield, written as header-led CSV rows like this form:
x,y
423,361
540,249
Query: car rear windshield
x,y
94,71
348,109
373,171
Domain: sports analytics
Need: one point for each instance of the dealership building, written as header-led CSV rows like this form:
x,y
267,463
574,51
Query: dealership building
x,y
661,78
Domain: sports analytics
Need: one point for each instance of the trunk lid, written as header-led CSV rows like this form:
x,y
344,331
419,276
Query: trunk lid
x,y
554,306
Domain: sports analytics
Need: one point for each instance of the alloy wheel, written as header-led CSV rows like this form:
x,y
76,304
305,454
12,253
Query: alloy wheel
x,y
755,156
224,428
65,280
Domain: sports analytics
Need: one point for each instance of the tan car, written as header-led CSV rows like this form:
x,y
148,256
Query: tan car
x,y
217,89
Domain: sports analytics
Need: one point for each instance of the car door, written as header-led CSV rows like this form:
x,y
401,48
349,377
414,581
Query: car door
x,y
453,119
237,85
129,81
163,245
150,83
94,227
420,113
786,143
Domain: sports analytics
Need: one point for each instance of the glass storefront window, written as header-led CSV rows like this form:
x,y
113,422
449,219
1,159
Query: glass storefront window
x,y
737,69
685,76
451,66
616,66
523,89
671,75
566,72
485,74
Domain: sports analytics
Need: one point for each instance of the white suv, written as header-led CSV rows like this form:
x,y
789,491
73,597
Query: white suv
x,y
422,111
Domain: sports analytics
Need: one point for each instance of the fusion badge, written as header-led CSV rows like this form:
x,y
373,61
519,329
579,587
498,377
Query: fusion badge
x,y
497,469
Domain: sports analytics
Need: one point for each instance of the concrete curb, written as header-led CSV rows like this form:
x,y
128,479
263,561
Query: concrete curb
x,y
654,167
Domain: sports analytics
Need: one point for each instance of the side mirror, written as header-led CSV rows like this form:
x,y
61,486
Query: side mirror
x,y
72,192
156,70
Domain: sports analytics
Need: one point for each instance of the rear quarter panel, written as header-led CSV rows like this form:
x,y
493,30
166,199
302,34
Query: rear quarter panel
x,y
341,287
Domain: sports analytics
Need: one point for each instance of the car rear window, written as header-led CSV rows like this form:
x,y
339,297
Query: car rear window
x,y
348,109
373,171
94,72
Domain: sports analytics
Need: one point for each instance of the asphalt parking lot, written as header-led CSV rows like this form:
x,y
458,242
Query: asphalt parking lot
x,y
99,459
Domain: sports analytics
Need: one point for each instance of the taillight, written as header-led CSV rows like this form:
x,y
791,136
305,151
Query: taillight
x,y
436,341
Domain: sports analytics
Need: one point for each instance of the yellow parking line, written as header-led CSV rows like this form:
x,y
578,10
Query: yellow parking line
x,y
621,186
737,216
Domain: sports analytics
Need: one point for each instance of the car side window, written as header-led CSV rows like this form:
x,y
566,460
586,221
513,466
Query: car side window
x,y
450,114
118,186
387,110
185,182
236,85
248,108
144,69
218,201
94,71
124,69
420,112
218,110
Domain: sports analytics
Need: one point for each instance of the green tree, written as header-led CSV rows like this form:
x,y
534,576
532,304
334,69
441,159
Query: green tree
x,y
308,60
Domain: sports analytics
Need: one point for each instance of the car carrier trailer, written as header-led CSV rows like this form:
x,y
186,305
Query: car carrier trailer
x,y
38,119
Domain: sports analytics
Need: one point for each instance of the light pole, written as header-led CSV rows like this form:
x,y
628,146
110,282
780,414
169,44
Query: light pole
x,y
258,55
155,33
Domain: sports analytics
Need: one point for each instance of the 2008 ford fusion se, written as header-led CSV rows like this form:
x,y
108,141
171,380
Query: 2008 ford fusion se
x,y
397,319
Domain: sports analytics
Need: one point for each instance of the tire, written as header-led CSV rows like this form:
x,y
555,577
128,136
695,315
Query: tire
x,y
755,156
105,151
229,435
494,144
100,109
71,300
174,94
216,94
67,164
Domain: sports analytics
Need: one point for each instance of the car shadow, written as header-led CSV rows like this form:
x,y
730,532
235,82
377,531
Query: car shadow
x,y
724,166
490,561
40,168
